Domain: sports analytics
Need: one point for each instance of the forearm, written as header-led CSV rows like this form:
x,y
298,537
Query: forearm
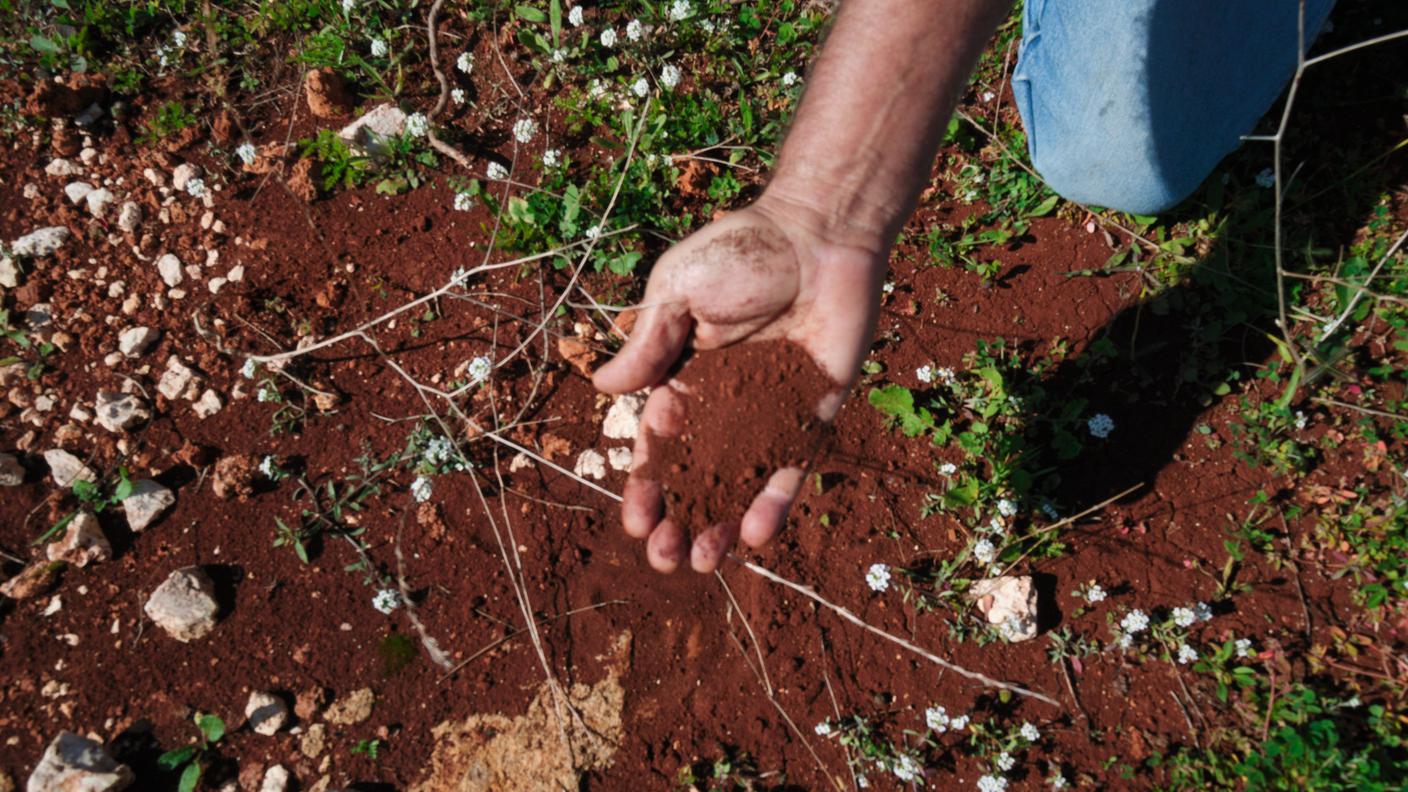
x,y
877,102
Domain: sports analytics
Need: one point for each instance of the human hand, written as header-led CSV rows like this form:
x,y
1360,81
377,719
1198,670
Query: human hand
x,y
764,272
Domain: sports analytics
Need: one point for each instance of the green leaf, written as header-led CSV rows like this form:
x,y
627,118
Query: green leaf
x,y
44,44
212,727
190,778
530,13
52,532
175,758
1045,207
897,402
555,15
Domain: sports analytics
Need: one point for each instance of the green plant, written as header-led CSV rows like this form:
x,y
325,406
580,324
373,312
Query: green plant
x,y
368,748
171,117
338,165
732,771
191,760
93,496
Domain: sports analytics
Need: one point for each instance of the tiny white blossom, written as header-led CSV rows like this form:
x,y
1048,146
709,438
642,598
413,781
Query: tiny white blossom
x,y
1056,780
417,125
479,369
496,171
608,38
1186,654
249,369
995,526
1135,621
907,769
936,718
245,151
823,729
924,373
378,48
1030,732
862,782
640,87
524,129
592,232
347,6
267,394
269,467
992,783
196,187
789,79
1094,594
574,17
707,24
1183,617
387,600
634,30
680,9
1007,507
959,723
1266,179
559,55
1203,611
669,76
457,95
1100,425
946,375
465,62
1244,647
178,38
552,158
988,96
984,551
421,488
947,469
596,89
1126,641
878,577
1301,420
439,450
1005,761
888,287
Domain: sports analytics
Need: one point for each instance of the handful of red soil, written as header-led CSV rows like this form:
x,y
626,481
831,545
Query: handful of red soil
x,y
749,410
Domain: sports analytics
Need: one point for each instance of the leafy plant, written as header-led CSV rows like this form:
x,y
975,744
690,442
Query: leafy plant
x,y
192,760
95,497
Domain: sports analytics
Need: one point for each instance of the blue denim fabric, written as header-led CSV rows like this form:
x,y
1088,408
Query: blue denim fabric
x,y
1130,104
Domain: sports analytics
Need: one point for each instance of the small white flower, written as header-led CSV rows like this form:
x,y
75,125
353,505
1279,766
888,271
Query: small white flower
x,y
438,450
249,369
947,469
421,488
592,232
992,783
1244,647
267,394
196,187
1049,511
1266,179
824,728
1005,761
457,95
640,87
496,171
1056,780
669,76
378,48
680,9
269,467
1007,507
1100,425
984,551
959,723
417,125
1136,621
465,62
387,600
946,375
907,769
1301,420
936,718
634,30
1094,594
1030,732
574,17
707,24
995,526
524,129
1186,654
888,287
878,577
988,96
924,373
479,369
1203,611
1126,641
552,158
1183,617
347,6
862,782
245,151
608,38
559,55
178,38
596,89
789,79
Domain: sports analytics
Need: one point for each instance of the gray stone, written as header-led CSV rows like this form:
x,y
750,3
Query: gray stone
x,y
77,191
121,412
129,217
78,764
184,605
169,267
208,404
353,708
181,176
276,779
66,468
175,379
62,168
83,542
11,473
1009,602
146,503
9,272
98,202
37,244
266,712
369,134
134,341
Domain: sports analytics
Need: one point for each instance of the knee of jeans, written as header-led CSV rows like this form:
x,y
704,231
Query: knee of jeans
x,y
1098,171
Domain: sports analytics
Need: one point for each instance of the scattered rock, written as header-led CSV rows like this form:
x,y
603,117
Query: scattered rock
x,y
83,542
314,740
184,604
623,419
38,244
302,182
134,341
78,764
208,404
146,503
121,412
310,702
276,779
1009,601
174,381
9,273
66,468
369,134
11,472
99,201
169,267
234,477
77,191
266,712
327,93
62,168
619,458
182,174
129,217
576,352
355,707
519,462
36,579
591,464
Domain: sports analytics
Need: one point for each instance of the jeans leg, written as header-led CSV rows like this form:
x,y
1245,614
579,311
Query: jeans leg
x,y
1130,104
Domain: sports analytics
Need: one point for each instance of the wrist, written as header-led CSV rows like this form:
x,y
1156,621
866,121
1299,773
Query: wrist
x,y
832,214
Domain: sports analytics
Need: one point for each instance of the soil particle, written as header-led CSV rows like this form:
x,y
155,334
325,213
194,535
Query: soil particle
x,y
310,702
577,353
748,410
301,183
36,579
327,94
353,708
234,477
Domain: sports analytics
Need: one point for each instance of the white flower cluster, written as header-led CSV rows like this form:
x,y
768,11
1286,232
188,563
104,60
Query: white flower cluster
x,y
1030,732
195,187
387,600
496,172
680,10
421,489
245,151
379,48
457,95
985,551
947,469
438,450
640,87
417,125
552,158
574,17
269,467
924,373
1136,621
558,55
463,202
635,30
1005,761
992,783
878,577
465,62
347,6
1186,654
608,38
938,720
1244,647
669,76
1183,617
908,769
789,79
1100,425
479,369
823,729
524,129
1094,593
249,369
1007,507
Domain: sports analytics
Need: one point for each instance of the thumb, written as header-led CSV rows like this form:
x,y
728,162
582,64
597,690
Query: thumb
x,y
654,346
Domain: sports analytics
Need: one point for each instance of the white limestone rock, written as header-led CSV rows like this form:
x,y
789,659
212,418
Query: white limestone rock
x,y
1009,602
175,379
184,605
65,468
40,243
78,764
61,168
182,174
591,464
121,412
369,133
266,713
146,503
134,341
77,191
623,419
129,217
169,267
83,542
